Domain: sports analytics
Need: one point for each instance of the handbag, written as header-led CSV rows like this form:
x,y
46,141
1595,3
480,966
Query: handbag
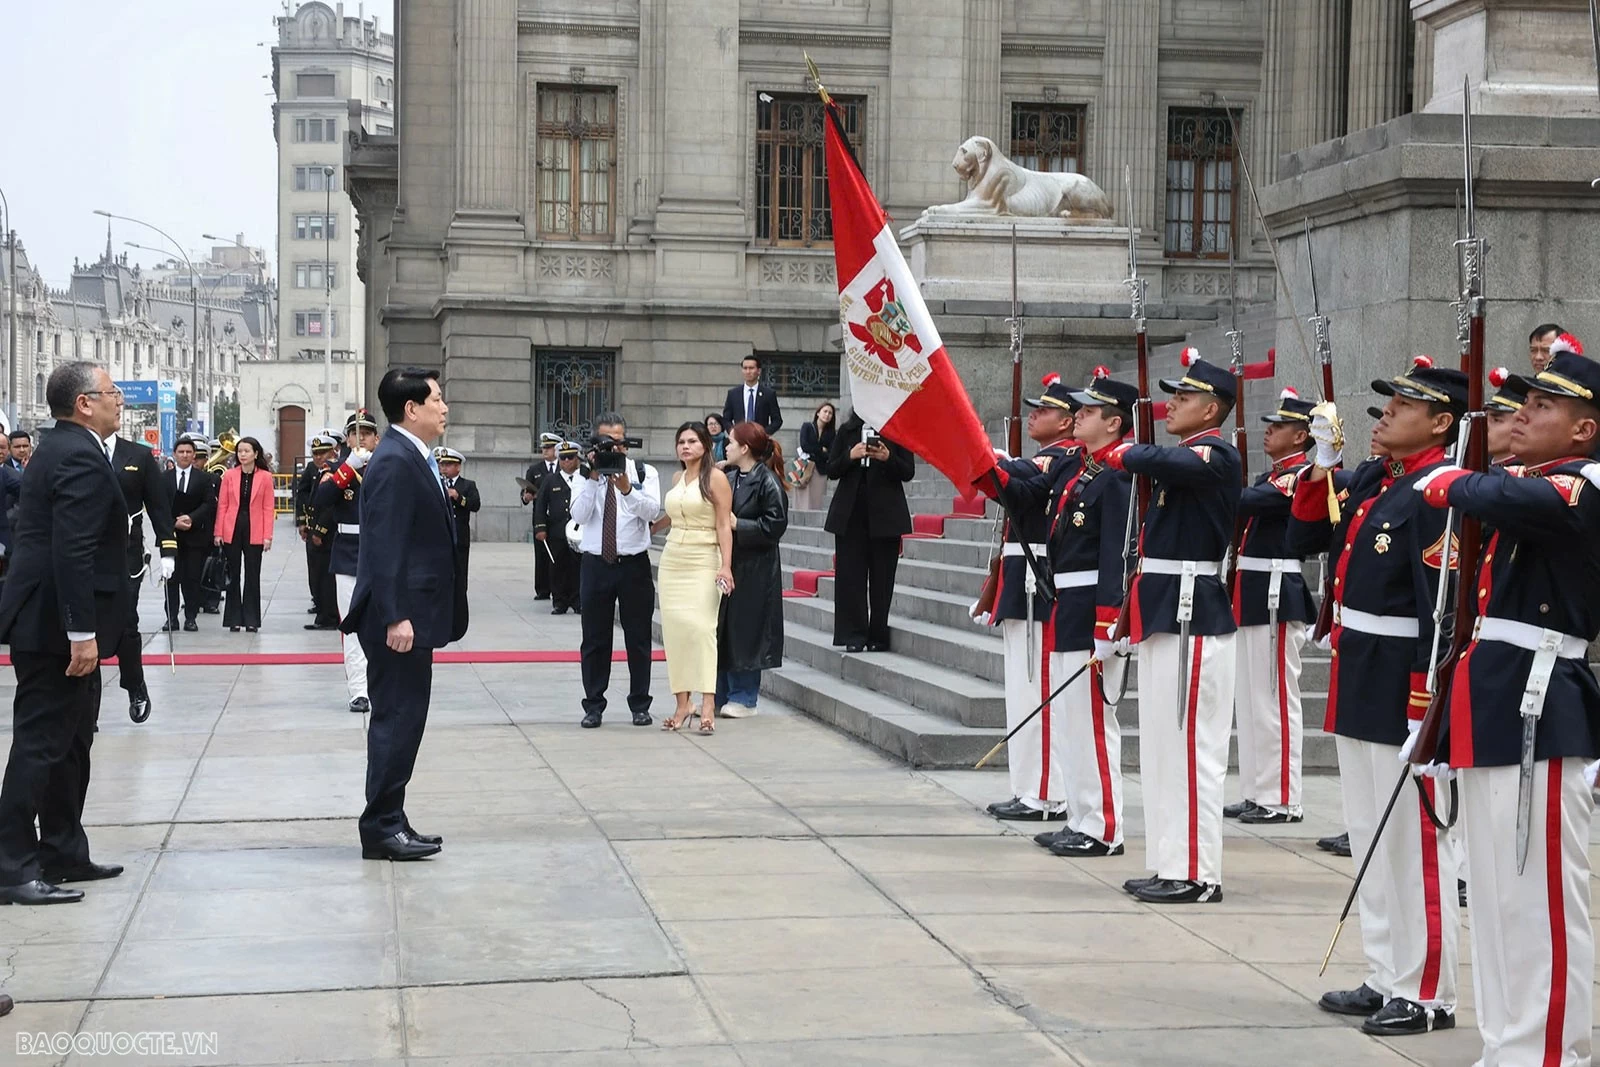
x,y
214,573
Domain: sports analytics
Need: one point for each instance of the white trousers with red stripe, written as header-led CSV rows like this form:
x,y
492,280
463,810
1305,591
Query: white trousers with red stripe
x,y
1268,715
1090,746
1532,945
355,660
1038,774
1410,916
1181,766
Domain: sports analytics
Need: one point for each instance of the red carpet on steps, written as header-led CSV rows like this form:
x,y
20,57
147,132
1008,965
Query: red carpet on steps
x,y
153,659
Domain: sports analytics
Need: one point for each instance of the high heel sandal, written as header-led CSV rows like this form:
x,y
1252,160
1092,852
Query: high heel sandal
x,y
672,723
707,725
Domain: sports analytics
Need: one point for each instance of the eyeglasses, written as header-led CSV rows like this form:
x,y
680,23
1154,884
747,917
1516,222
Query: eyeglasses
x,y
102,392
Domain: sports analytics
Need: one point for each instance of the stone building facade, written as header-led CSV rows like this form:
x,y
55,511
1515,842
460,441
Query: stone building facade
x,y
594,204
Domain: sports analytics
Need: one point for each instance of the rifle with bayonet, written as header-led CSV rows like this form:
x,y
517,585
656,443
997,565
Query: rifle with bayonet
x,y
1144,425
1014,429
1241,436
1321,339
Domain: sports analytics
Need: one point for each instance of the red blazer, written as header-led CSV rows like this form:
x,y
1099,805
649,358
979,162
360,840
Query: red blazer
x,y
261,505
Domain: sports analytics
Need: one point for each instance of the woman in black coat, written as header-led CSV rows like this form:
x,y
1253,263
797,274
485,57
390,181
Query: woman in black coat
x,y
750,633
816,439
867,518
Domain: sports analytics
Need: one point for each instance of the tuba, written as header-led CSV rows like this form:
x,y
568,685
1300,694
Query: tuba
x,y
221,456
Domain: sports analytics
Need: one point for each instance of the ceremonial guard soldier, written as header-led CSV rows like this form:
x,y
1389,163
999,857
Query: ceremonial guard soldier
x,y
552,512
1088,536
537,471
1499,412
1523,717
1183,625
464,501
1272,608
1390,547
318,538
339,494
145,492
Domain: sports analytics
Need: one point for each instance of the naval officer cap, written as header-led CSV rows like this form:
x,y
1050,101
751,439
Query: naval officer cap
x,y
323,443
549,440
194,440
1201,377
1569,373
1105,391
1424,381
360,419
1291,410
1055,395
568,450
447,455
1509,395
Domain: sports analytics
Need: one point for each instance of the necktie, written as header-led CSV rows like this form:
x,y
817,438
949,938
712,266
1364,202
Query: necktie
x,y
750,405
183,481
608,526
433,465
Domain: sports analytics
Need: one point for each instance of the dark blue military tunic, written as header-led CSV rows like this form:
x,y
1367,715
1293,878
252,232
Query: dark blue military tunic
x,y
1265,508
1541,569
1088,525
1194,499
1027,488
1388,545
339,495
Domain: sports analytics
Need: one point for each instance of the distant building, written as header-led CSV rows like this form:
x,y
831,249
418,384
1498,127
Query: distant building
x,y
328,71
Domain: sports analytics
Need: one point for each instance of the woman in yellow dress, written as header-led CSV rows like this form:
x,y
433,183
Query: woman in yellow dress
x,y
696,572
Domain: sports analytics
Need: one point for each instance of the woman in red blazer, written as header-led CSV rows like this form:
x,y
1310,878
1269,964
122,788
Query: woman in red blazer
x,y
246,531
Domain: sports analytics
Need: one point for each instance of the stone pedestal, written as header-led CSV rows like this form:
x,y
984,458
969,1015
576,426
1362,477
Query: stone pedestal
x,y
1522,57
1060,262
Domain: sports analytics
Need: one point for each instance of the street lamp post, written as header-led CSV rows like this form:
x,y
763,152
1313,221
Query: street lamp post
x,y
327,298
194,302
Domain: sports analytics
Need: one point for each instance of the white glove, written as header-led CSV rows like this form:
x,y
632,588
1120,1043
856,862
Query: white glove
x,y
1001,453
1122,646
1422,482
358,458
979,617
1325,642
1104,650
1590,772
167,566
1412,726
1328,433
1440,772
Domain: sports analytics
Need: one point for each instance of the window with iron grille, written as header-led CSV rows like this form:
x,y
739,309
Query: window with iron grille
x,y
1201,158
801,373
575,180
1048,136
572,388
792,208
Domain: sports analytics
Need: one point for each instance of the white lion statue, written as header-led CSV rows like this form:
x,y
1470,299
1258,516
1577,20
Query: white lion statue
x,y
998,186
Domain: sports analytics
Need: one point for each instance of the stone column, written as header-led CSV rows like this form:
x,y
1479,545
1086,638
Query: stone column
x,y
486,117
927,113
1319,74
1422,67
1130,118
1377,70
982,112
702,175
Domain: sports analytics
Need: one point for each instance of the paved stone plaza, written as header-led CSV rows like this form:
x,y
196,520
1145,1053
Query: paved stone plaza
x,y
774,894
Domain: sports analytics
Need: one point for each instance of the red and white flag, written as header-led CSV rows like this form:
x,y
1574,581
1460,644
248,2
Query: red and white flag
x,y
901,379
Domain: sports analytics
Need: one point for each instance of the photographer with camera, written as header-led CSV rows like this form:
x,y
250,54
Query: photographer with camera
x,y
615,503
867,518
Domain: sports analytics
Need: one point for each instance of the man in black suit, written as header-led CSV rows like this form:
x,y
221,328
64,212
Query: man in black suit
x,y
10,493
147,491
463,496
551,514
194,509
752,401
537,470
406,602
21,446
62,609
867,518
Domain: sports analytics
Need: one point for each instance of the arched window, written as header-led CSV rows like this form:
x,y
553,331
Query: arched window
x,y
38,389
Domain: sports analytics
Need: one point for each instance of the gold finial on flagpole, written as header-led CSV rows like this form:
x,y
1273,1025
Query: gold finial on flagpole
x,y
816,78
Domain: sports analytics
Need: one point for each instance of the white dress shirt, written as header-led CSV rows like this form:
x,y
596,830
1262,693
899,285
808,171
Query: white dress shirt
x,y
105,446
636,510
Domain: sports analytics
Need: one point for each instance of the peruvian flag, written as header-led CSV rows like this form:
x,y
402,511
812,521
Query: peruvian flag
x,y
901,379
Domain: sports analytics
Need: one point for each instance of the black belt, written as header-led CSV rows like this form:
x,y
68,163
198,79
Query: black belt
x,y
620,556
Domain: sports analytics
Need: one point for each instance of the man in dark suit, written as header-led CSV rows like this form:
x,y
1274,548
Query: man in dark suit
x,y
752,401
194,509
147,491
61,610
537,470
551,514
10,493
21,443
406,602
463,496
867,518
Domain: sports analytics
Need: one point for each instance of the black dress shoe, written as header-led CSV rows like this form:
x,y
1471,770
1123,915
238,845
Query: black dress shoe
x,y
1261,816
218,611
170,626
361,705
1339,844
1133,885
855,648
1400,1017
5,1004
312,610
426,839
251,629
38,891
400,846
1017,811
139,706
542,596
1050,837
1178,891
878,646
558,611
83,872
591,720
640,718
191,627
1233,811
1081,845
997,805
233,629
322,626
1360,1001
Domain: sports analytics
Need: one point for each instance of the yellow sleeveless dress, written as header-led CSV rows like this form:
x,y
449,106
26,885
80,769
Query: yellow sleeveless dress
x,y
690,599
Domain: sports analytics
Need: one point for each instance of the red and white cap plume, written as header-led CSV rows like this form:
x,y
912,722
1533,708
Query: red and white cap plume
x,y
1422,362
1566,343
1190,357
1050,379
1499,376
1289,393
1102,371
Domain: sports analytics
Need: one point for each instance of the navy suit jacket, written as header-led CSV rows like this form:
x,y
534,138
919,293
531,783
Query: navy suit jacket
x,y
768,417
407,565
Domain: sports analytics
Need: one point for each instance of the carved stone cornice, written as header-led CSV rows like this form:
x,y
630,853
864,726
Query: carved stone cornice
x,y
809,37
539,27
1051,47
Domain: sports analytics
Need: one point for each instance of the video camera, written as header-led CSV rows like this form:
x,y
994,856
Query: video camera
x,y
604,457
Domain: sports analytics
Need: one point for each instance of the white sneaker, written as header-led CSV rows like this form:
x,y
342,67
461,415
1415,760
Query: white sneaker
x,y
733,710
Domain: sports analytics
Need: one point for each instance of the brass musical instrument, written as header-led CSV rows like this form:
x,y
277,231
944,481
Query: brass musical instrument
x,y
220,457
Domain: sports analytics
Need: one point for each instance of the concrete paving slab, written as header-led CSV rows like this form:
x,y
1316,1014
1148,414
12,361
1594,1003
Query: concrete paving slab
x,y
958,1050
739,946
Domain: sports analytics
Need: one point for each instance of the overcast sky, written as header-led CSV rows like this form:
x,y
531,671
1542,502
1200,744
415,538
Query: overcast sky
x,y
158,111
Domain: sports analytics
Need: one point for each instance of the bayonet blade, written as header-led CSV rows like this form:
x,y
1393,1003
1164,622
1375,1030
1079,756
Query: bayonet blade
x,y
1525,790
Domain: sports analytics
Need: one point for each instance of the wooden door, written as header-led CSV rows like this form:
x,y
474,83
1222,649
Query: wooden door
x,y
291,437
